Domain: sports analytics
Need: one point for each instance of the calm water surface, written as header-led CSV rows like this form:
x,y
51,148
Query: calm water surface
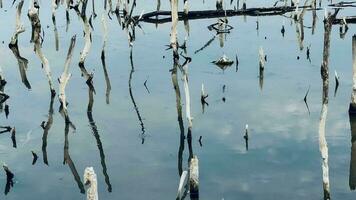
x,y
283,160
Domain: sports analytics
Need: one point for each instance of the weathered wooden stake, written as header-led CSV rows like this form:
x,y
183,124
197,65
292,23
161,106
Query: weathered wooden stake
x,y
194,178
90,180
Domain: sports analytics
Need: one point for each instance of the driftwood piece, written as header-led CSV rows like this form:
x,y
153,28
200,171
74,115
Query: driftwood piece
x,y
161,17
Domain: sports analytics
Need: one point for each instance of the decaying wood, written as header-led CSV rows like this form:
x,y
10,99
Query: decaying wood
x,y
19,27
194,178
13,45
87,45
91,181
33,15
174,14
323,147
165,16
63,80
182,183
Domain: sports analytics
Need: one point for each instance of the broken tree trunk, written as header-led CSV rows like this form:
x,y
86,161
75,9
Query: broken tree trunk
x,y
33,15
323,147
63,80
87,45
174,14
194,178
13,45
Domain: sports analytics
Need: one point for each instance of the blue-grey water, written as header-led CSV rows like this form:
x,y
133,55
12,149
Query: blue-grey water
x,y
283,160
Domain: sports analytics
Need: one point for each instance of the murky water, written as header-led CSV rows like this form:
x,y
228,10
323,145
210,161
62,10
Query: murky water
x,y
283,159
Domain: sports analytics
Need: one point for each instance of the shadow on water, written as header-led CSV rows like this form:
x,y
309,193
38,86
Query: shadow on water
x,y
9,179
133,99
68,160
22,62
97,138
107,79
352,177
46,126
180,118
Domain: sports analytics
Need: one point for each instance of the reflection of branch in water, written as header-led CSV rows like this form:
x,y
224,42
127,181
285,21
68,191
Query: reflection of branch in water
x,y
46,126
107,80
105,36
13,45
180,117
11,130
97,138
68,160
22,62
55,32
246,137
352,177
9,179
133,100
205,45
325,100
305,100
260,78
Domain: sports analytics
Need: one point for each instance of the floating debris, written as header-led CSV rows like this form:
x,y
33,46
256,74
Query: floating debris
x,y
223,62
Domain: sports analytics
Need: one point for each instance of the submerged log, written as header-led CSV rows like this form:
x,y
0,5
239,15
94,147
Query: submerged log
x,y
154,17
